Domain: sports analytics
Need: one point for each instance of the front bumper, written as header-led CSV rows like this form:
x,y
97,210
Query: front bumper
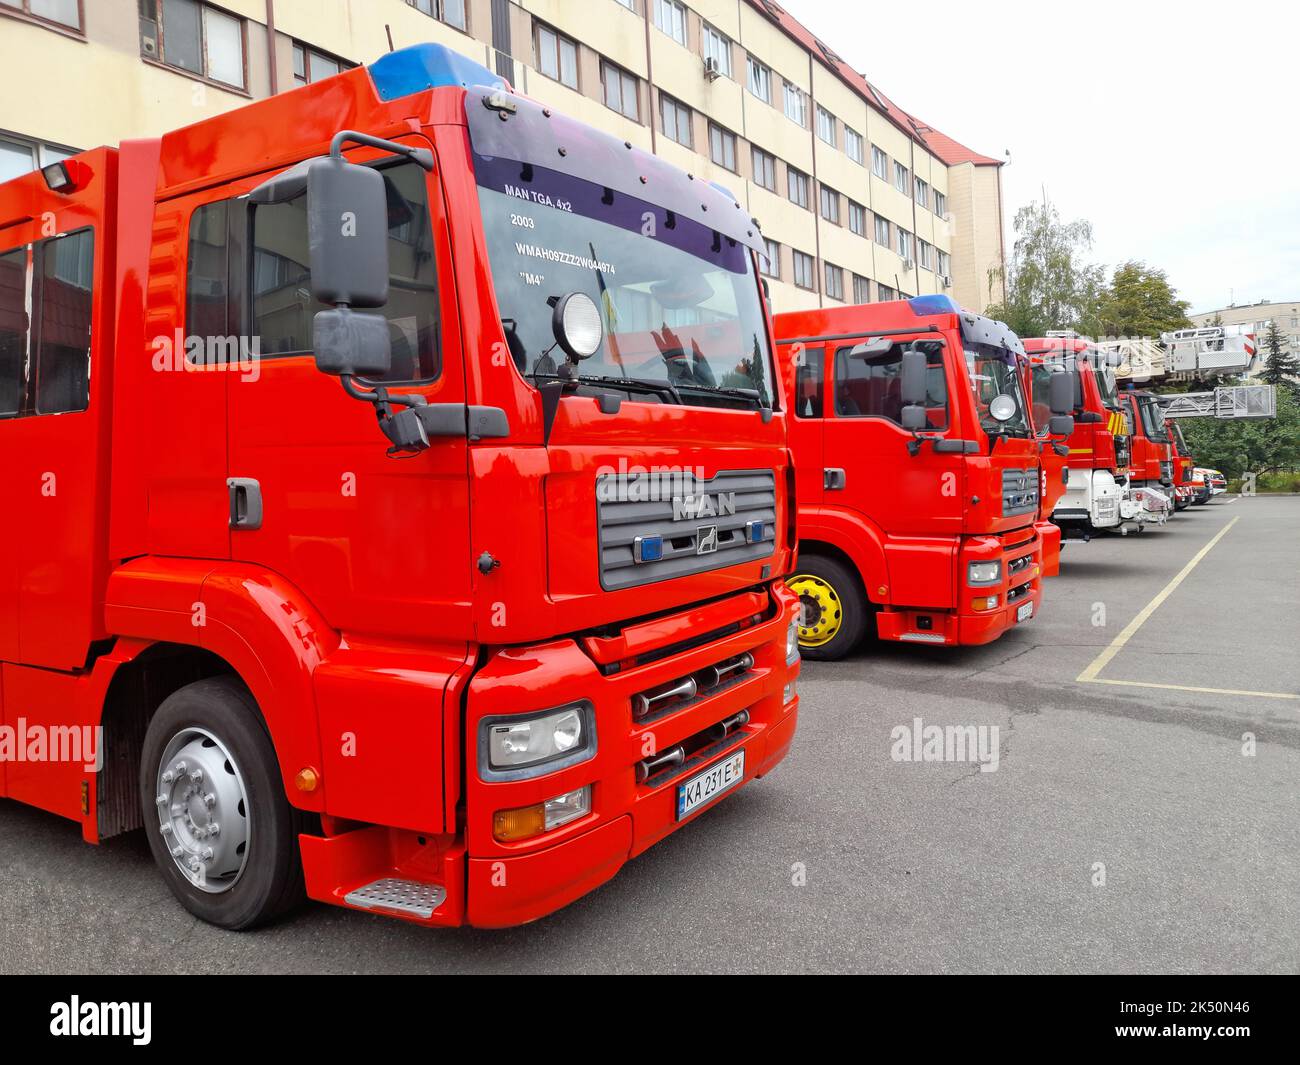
x,y
490,883
1022,556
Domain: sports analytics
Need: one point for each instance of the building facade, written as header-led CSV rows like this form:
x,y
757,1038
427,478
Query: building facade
x,y
858,200
1256,318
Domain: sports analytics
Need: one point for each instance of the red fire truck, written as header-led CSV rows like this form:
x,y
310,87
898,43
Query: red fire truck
x,y
1036,374
1151,473
1098,495
918,474
1185,487
397,480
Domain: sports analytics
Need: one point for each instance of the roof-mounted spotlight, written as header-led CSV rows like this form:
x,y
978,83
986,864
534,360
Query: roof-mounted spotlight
x,y
65,176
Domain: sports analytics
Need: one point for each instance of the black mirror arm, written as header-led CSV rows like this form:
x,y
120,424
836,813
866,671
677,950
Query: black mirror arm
x,y
421,156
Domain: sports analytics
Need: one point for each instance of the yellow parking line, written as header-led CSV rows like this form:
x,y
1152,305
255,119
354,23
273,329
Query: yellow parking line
x,y
1117,644
1189,688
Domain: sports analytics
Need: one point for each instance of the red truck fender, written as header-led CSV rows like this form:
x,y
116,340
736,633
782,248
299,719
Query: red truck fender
x,y
854,536
253,620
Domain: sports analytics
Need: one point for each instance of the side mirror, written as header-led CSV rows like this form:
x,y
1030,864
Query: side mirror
x,y
1061,390
1060,425
912,375
347,226
914,418
870,348
348,344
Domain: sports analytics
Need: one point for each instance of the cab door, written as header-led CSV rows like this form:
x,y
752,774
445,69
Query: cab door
x,y
914,501
379,544
812,478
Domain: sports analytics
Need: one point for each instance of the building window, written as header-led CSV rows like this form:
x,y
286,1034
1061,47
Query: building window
x,y
796,105
764,169
882,231
825,125
925,254
283,307
879,163
670,16
902,179
884,293
769,263
904,243
945,264
19,157
857,219
557,56
861,289
63,12
940,204
452,12
629,4
853,144
830,204
621,92
922,193
310,65
722,147
760,80
675,118
718,48
193,36
797,186
834,281
803,270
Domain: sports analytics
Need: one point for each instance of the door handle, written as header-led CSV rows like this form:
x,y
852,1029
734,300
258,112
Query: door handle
x,y
245,503
833,479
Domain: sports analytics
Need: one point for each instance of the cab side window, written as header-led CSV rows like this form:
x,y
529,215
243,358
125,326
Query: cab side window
x,y
283,307
808,376
14,329
45,356
868,386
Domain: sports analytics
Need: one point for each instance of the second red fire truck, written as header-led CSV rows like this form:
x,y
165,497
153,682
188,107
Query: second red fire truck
x,y
918,474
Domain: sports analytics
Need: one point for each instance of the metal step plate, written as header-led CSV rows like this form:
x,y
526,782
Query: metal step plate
x,y
403,896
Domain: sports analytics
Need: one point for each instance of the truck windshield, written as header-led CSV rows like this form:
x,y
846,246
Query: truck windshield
x,y
1107,386
992,374
1153,419
680,303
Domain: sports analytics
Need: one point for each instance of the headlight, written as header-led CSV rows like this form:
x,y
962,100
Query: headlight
x,y
984,572
547,741
792,641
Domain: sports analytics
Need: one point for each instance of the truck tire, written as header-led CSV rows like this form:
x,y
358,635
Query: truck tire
x,y
219,824
834,608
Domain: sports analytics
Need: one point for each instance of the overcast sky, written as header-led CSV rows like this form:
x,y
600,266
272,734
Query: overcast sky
x,y
1173,128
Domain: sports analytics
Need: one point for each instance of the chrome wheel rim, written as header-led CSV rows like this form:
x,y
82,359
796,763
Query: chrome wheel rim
x,y
203,810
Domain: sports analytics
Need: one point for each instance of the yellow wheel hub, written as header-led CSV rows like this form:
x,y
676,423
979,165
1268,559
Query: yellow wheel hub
x,y
821,614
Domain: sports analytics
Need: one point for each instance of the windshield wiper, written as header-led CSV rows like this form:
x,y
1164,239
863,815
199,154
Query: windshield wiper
x,y
751,394
626,384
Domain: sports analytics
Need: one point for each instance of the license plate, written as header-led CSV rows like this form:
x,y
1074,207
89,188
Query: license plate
x,y
704,787
1025,610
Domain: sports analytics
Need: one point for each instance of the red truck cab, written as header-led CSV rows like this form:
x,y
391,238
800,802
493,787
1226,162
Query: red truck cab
x,y
398,484
918,475
1036,374
1151,473
1184,464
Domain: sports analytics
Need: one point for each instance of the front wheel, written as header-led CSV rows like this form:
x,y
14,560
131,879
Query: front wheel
x,y
832,608
219,824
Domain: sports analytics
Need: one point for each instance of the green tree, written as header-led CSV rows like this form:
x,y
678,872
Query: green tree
x,y
1048,284
1280,366
1140,302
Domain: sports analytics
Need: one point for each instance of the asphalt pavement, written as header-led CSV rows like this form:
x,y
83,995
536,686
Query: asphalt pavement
x,y
1146,819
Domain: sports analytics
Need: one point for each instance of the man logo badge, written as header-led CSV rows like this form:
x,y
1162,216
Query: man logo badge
x,y
706,539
